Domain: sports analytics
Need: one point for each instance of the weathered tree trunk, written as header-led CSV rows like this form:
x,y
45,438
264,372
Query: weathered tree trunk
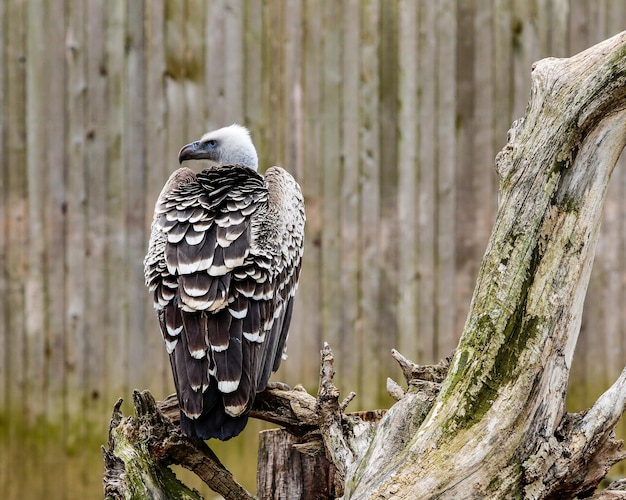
x,y
498,428
490,422
284,471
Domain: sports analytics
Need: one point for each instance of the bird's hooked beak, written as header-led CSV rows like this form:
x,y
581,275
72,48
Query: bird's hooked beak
x,y
190,151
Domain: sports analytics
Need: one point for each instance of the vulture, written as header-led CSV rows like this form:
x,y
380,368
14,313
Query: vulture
x,y
223,264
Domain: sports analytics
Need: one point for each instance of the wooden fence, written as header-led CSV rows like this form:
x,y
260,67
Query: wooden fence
x,y
389,113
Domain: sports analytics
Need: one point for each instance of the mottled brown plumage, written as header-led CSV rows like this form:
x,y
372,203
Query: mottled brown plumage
x,y
223,266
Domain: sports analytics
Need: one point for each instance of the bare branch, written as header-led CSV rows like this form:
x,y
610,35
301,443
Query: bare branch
x,y
142,446
413,373
337,449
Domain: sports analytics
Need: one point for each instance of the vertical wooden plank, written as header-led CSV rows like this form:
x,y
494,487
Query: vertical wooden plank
x,y
233,62
558,28
551,19
484,184
426,195
466,251
386,300
293,157
159,164
578,26
194,70
408,179
484,152
223,76
5,336
273,91
134,147
117,305
525,52
349,197
99,395
542,20
16,235
35,282
34,299
446,308
330,173
252,68
215,67
178,133
369,327
503,70
52,169
75,257
310,290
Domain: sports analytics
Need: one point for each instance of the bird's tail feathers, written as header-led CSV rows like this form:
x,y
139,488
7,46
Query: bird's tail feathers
x,y
214,423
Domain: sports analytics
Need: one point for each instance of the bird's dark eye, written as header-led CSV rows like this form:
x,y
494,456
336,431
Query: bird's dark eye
x,y
211,143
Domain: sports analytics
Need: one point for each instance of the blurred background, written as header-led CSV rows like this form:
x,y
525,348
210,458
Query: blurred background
x,y
388,112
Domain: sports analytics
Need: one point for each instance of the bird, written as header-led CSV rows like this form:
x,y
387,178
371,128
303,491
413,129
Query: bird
x,y
223,265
